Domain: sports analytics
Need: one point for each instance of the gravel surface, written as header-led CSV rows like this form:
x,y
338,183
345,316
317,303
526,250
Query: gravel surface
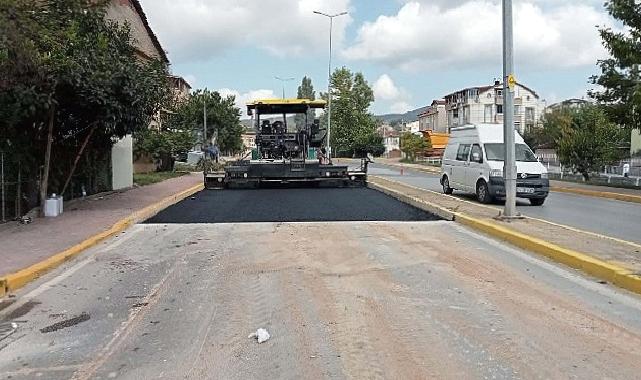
x,y
366,300
290,205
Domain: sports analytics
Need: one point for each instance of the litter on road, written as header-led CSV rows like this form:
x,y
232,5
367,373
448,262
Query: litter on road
x,y
261,335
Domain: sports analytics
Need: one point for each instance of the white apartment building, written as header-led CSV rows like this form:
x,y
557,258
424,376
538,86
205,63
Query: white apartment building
x,y
412,127
434,118
485,105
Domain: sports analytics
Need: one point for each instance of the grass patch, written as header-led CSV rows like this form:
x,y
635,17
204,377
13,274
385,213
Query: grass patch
x,y
144,179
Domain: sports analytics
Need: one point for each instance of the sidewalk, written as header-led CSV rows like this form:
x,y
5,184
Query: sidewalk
x,y
25,245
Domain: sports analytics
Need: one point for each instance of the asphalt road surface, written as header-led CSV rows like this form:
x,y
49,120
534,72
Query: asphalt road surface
x,y
402,300
290,205
603,216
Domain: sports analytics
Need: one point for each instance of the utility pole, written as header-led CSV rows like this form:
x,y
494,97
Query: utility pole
x,y
329,78
509,82
283,81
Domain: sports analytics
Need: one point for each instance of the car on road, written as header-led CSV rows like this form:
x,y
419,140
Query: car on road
x,y
473,162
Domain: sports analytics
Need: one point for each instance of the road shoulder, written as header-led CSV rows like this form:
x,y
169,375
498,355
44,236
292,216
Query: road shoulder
x,y
608,259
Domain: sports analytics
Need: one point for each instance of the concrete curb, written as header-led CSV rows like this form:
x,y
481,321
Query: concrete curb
x,y
16,280
600,194
617,275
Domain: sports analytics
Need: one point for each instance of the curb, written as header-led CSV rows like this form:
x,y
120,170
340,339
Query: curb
x,y
14,281
599,194
614,274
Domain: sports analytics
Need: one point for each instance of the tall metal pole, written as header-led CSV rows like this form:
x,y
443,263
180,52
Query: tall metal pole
x,y
509,168
329,79
204,120
329,93
284,81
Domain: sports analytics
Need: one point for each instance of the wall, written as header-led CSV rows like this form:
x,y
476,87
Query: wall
x,y
635,142
122,166
122,11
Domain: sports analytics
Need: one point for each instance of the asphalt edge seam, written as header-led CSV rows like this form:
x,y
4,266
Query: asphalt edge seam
x,y
17,280
614,274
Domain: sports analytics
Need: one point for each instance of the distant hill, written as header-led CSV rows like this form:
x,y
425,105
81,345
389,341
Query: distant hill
x,y
408,116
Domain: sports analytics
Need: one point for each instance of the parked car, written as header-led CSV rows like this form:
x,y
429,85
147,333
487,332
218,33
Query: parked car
x,y
474,159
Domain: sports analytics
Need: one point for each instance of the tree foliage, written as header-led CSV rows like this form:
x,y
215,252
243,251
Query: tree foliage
x,y
62,62
412,145
548,135
305,91
621,73
223,119
353,126
589,141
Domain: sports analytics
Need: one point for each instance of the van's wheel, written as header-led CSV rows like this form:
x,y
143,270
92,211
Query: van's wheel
x,y
483,192
446,186
537,201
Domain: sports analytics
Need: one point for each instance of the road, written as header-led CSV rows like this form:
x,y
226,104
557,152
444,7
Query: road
x,y
603,216
392,299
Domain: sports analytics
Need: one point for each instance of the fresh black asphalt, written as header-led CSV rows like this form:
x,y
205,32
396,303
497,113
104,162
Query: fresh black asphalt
x,y
290,205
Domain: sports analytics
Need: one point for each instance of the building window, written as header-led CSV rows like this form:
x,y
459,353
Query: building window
x,y
499,92
529,113
499,109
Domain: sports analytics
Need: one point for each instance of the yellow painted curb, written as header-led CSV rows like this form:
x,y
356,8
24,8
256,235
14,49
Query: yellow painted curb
x,y
14,281
614,274
600,194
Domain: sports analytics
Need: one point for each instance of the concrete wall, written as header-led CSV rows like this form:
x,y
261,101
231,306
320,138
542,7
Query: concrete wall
x,y
122,164
635,142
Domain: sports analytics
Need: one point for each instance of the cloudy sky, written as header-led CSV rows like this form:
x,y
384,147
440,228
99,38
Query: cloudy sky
x,y
411,51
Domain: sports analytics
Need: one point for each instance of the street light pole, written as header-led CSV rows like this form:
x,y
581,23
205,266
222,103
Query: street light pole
x,y
283,81
509,81
204,120
329,78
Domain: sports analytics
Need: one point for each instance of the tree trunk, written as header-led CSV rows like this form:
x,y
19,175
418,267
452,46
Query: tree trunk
x,y
586,176
75,162
45,172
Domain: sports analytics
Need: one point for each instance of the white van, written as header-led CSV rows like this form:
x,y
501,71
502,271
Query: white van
x,y
473,163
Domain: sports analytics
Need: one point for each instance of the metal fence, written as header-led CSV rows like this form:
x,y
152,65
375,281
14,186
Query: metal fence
x,y
13,187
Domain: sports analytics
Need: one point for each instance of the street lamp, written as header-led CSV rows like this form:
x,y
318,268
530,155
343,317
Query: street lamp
x,y
509,82
283,81
329,78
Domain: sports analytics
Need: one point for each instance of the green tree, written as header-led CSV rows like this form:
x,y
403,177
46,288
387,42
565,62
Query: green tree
x,y
223,119
590,141
412,145
351,120
620,74
70,83
305,91
548,135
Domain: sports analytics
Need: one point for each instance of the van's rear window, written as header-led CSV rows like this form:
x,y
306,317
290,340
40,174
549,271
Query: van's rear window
x,y
496,152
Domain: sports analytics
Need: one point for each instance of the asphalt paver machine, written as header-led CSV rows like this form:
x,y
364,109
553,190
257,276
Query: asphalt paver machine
x,y
287,152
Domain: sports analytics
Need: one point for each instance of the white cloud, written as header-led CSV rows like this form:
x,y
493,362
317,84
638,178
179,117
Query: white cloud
x,y
199,29
385,88
243,98
548,33
388,94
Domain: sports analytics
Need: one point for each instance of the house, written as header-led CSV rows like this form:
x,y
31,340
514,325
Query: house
x,y
391,140
412,127
567,104
249,141
434,118
181,88
484,104
147,47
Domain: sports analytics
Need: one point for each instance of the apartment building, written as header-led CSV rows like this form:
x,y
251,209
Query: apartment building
x,y
434,118
485,105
